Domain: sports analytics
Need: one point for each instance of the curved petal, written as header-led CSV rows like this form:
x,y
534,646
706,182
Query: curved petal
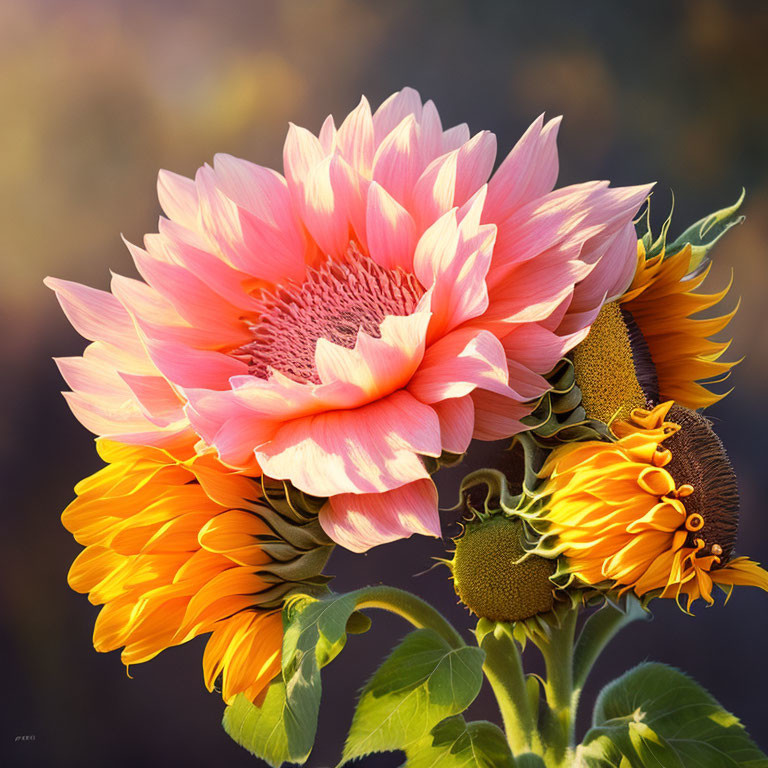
x,y
361,521
457,423
460,362
371,449
528,171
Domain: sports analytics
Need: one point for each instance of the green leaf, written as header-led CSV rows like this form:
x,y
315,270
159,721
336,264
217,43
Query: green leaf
x,y
262,730
656,715
422,682
454,743
283,729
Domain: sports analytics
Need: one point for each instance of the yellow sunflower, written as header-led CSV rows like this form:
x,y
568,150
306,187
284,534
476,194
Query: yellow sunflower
x,y
176,548
648,346
655,512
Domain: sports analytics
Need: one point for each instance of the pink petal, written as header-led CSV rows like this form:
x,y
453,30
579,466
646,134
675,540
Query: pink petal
x,y
324,213
371,449
434,191
231,284
195,302
158,400
97,315
361,521
390,230
266,244
189,367
355,138
392,112
398,164
458,363
497,417
452,258
474,164
457,422
301,153
377,366
528,172
536,288
538,348
178,198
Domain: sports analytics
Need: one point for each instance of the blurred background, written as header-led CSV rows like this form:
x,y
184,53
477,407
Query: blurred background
x,y
100,94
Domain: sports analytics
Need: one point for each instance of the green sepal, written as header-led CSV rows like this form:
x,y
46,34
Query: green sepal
x,y
705,233
454,743
558,416
423,681
656,715
701,236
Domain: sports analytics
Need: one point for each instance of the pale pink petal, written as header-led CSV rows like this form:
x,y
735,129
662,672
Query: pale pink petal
x,y
323,212
616,261
430,135
497,417
535,288
93,379
301,153
350,190
474,164
189,367
355,138
452,258
398,164
538,348
457,422
455,137
195,302
156,397
97,315
178,198
377,366
267,244
231,284
327,135
528,172
361,521
458,363
388,436
155,318
127,424
390,229
527,384
392,112
433,193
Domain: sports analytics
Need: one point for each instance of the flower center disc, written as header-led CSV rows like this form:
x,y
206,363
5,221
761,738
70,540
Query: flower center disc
x,y
489,580
613,367
699,459
335,301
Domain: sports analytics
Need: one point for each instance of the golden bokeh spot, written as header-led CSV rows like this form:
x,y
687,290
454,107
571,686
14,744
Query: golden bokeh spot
x,y
605,368
491,582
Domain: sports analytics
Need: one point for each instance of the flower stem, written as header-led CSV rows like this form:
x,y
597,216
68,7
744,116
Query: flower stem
x,y
504,669
559,723
413,609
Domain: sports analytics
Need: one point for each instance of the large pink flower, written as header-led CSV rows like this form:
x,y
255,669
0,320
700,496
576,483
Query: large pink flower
x,y
382,302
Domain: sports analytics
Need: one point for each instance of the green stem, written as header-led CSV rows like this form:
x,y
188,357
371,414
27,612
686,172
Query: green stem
x,y
413,609
557,650
504,669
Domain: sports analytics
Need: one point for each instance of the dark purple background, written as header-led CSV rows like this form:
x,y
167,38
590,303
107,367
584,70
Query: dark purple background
x,y
99,94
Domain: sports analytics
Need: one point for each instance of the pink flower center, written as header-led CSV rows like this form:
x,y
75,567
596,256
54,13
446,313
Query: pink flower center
x,y
335,301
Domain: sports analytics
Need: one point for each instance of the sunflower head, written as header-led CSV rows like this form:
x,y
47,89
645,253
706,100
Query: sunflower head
x,y
180,547
655,512
493,574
